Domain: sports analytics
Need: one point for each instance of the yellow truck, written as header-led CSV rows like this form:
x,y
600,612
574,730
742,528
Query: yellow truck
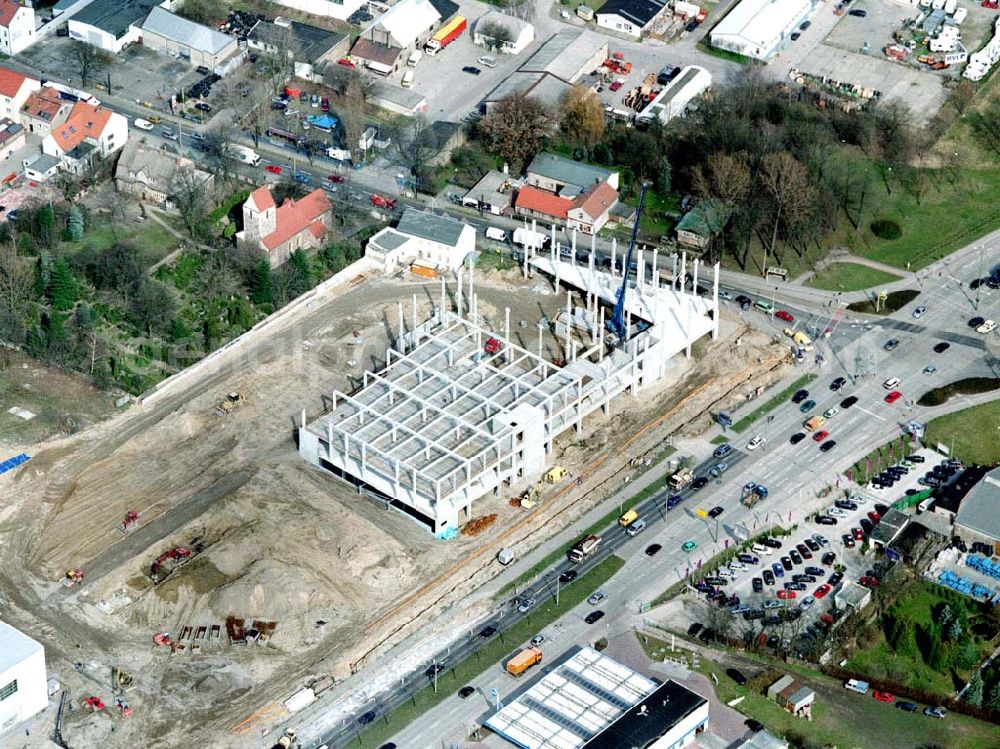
x,y
523,661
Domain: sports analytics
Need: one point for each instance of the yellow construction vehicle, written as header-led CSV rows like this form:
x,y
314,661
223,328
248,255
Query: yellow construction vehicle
x,y
555,474
229,404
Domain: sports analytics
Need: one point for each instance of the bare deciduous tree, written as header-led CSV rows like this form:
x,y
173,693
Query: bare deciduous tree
x,y
85,60
16,285
787,183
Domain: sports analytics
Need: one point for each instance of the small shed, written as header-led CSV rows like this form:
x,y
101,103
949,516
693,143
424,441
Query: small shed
x,y
792,695
699,225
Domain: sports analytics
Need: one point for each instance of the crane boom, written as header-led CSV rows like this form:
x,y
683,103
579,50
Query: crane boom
x,y
617,322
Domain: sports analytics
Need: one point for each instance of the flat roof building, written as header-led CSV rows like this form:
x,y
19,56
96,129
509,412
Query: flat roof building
x,y
758,28
198,45
673,99
521,32
110,24
978,517
631,17
590,701
23,689
889,527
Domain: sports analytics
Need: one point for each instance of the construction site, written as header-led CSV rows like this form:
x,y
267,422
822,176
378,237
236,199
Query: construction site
x,y
289,515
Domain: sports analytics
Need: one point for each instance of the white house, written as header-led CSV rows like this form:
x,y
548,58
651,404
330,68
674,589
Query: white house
x,y
632,17
424,239
110,24
15,88
23,688
521,32
757,28
17,27
339,9
89,133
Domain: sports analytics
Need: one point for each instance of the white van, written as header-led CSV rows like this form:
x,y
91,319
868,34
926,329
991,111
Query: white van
x,y
761,549
497,235
407,79
414,58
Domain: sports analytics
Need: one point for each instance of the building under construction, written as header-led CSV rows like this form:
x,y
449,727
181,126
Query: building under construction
x,y
460,410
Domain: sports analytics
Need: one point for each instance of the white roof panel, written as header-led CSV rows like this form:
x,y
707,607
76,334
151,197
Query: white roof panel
x,y
15,646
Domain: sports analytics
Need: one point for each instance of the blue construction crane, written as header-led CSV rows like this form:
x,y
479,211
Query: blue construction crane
x,y
617,322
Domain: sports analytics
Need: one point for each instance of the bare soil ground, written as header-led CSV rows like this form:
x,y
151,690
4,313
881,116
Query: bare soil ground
x,y
274,539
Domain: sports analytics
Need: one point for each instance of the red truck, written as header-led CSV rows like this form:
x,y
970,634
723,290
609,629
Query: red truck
x,y
493,346
446,35
382,202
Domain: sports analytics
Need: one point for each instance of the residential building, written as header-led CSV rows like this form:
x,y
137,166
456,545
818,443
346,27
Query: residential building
x,y
493,193
978,517
701,224
554,173
792,695
110,24
11,138
758,28
44,109
310,47
89,133
41,167
587,211
339,9
198,45
152,175
406,26
23,689
631,17
673,99
521,32
17,27
562,60
422,238
280,230
15,88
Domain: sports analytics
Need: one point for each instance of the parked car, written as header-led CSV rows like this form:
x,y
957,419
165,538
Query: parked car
x,y
883,696
936,712
808,406
891,344
471,70
893,396
800,396
617,84
653,549
826,519
848,401
466,692
827,446
797,438
783,315
736,676
907,706
857,13
594,616
273,169
837,384
942,347
722,450
596,598
487,632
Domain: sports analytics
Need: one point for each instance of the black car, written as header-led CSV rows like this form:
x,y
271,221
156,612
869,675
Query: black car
x,y
433,670
666,75
805,25
907,706
848,401
835,578
942,347
795,36
838,384
866,526
916,458
815,571
694,629
812,544
828,558
367,718
747,559
845,504
203,107
771,543
797,438
715,512
471,70
772,642
857,13
466,692
827,446
388,745
975,322
652,550
768,577
795,586
736,676
594,616
699,483
487,632
568,576
744,301
804,551
758,585
800,396
787,563
796,559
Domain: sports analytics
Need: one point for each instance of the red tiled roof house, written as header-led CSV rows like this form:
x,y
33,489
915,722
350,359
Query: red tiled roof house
x,y
15,88
280,230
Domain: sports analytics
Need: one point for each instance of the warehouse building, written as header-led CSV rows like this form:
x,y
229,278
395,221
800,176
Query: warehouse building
x,y
309,47
978,517
631,17
589,701
110,24
196,44
758,28
23,689
673,99
460,410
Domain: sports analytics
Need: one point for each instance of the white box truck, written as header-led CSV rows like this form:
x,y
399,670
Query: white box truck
x,y
528,238
497,235
243,154
407,79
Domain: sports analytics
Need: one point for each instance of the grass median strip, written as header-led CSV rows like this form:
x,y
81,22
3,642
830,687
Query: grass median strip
x,y
741,425
490,655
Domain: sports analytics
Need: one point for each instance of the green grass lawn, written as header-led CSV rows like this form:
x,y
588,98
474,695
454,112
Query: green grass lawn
x,y
849,277
975,433
151,239
743,424
489,656
841,718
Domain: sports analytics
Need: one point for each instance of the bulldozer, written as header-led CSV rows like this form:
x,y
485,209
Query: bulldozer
x,y
229,404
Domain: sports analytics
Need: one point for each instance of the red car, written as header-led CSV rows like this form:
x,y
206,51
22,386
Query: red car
x,y
783,315
347,63
821,591
894,396
859,534
337,179
868,581
786,594
820,436
324,104
273,169
874,516
619,82
883,696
